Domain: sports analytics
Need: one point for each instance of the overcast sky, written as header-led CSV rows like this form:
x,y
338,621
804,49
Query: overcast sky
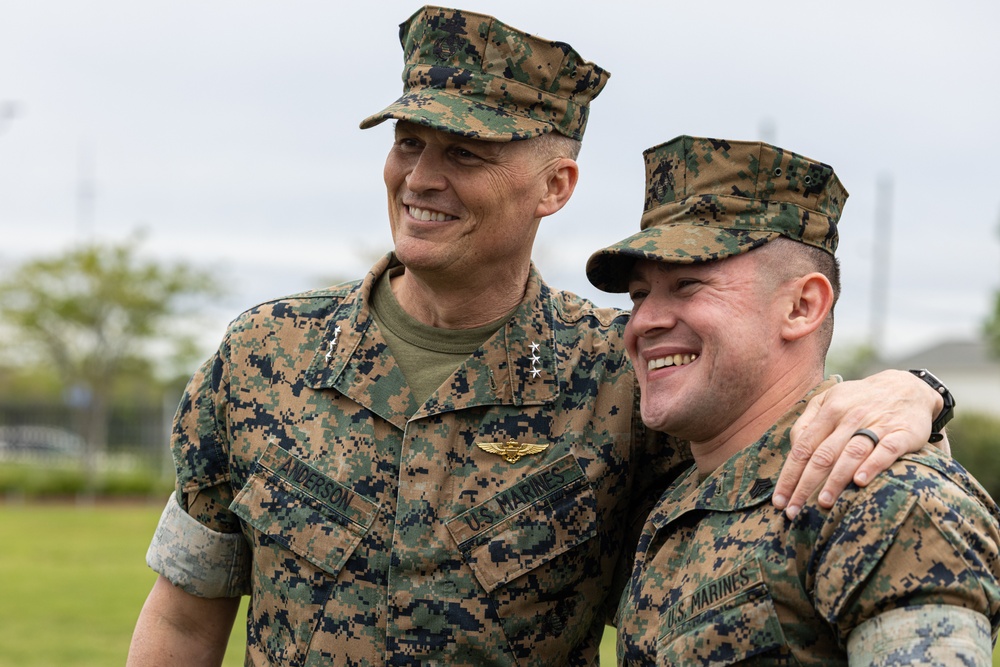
x,y
229,130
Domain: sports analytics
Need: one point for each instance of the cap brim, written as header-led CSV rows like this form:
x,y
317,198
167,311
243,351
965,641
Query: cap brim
x,y
608,269
441,110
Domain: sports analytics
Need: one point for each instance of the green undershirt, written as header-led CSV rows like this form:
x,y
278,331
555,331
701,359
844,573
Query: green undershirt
x,y
427,355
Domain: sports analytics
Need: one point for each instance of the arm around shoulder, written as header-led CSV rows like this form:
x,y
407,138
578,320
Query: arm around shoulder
x,y
177,628
898,407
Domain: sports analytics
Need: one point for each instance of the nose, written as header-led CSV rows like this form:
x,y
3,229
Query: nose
x,y
651,316
426,172
645,323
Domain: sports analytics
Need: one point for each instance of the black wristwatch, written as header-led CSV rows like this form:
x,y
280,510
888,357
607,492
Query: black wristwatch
x,y
947,412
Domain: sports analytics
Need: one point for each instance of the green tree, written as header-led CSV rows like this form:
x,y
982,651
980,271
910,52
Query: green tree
x,y
991,330
991,327
98,314
975,440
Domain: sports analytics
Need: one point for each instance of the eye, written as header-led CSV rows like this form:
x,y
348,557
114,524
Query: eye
x,y
408,144
637,294
463,154
683,283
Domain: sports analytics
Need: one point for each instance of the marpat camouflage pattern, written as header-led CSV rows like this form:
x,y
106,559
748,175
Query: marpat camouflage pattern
x,y
380,533
470,74
722,577
707,199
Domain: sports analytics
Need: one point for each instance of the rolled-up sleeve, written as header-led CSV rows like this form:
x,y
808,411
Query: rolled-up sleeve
x,y
922,635
198,544
197,559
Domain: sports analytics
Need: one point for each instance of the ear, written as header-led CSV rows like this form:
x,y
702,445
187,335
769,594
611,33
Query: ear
x,y
559,186
810,299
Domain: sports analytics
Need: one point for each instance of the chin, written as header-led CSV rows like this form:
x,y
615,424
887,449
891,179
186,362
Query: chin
x,y
414,254
656,422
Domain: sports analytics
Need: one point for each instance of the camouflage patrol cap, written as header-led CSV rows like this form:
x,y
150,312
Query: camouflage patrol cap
x,y
472,75
707,199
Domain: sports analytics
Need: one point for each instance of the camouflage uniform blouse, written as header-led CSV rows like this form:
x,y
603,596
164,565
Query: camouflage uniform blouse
x,y
366,537
721,577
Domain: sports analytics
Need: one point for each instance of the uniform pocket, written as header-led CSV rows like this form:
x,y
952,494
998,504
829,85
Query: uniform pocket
x,y
528,524
533,547
726,620
303,510
305,527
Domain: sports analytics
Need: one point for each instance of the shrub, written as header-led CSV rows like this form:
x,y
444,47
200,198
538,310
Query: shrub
x,y
32,480
975,443
133,483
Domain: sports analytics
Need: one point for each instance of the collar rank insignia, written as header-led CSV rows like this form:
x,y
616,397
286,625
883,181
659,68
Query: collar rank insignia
x,y
512,450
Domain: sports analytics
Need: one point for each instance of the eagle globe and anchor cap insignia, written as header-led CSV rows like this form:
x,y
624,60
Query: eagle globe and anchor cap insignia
x,y
512,450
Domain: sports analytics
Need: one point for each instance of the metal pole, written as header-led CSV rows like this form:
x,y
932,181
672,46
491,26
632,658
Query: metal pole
x,y
881,255
8,111
85,194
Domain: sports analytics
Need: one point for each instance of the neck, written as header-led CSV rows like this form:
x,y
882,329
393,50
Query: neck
x,y
460,304
781,395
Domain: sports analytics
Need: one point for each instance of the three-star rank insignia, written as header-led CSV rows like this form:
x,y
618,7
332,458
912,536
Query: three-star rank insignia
x,y
512,450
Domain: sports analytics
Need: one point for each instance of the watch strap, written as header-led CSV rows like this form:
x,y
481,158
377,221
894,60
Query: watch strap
x,y
947,412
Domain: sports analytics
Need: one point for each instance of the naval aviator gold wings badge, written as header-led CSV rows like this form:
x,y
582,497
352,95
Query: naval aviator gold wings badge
x,y
512,450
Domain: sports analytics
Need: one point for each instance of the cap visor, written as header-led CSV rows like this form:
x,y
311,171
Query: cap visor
x,y
460,115
608,269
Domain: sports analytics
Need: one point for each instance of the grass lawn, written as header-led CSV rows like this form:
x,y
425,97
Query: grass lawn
x,y
73,579
72,582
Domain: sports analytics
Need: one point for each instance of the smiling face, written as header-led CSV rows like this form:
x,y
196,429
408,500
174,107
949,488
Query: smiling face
x,y
461,208
702,338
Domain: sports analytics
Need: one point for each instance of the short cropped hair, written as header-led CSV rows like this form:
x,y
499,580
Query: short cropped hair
x,y
785,259
553,144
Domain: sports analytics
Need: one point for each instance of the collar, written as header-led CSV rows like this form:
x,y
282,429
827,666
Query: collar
x,y
745,480
516,366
